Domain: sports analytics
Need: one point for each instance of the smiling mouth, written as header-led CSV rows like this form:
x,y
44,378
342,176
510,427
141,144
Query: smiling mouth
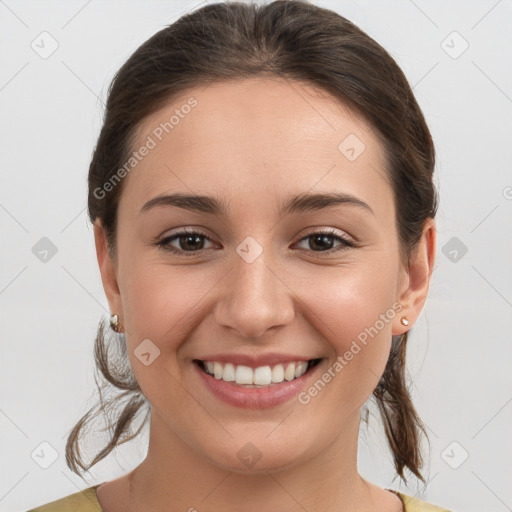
x,y
262,376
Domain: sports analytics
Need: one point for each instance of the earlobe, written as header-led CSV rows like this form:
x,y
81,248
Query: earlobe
x,y
414,295
107,269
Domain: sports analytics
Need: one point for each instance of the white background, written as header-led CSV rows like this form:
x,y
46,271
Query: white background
x,y
460,350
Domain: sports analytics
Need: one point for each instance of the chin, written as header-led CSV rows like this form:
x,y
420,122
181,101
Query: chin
x,y
260,456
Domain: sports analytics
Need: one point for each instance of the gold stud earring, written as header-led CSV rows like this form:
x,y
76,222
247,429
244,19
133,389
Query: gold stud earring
x,y
404,321
114,323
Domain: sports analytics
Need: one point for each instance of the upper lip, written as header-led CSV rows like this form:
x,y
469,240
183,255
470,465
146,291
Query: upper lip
x,y
256,360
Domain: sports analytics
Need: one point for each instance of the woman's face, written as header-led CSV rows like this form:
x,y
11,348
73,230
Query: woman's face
x,y
260,283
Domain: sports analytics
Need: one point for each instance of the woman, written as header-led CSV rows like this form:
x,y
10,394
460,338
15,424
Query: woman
x,y
263,206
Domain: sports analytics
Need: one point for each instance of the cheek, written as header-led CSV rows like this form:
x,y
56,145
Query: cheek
x,y
353,312
155,309
160,303
346,301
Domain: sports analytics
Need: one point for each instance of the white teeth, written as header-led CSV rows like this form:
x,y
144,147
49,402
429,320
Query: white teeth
x,y
229,372
218,370
289,373
278,373
244,375
263,376
300,369
260,376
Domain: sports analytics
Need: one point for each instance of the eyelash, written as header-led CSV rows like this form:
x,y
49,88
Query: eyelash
x,y
164,243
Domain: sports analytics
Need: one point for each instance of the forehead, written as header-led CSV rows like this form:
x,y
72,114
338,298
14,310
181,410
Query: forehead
x,y
254,137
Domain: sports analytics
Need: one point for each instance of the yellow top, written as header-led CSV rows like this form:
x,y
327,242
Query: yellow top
x,y
86,501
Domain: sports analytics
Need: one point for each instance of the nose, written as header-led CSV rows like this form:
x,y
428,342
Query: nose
x,y
254,299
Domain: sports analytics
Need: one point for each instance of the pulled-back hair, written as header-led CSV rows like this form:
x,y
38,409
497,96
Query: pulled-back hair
x,y
294,40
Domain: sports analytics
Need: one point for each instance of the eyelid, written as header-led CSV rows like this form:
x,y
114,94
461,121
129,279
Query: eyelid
x,y
329,231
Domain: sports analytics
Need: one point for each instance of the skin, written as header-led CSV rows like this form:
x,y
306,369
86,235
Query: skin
x,y
253,143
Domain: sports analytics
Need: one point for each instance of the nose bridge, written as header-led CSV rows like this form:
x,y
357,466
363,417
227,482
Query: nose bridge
x,y
254,298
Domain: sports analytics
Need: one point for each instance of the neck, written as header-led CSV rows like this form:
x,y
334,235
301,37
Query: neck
x,y
175,475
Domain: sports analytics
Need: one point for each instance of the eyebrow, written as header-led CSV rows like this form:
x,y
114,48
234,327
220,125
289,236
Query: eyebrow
x,y
300,203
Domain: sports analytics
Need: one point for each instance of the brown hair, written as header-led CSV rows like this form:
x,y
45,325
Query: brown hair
x,y
294,40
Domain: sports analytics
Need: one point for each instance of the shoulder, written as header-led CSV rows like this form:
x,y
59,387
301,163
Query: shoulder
x,y
415,505
83,501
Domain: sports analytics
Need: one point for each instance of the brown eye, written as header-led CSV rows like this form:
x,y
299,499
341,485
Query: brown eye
x,y
323,241
189,242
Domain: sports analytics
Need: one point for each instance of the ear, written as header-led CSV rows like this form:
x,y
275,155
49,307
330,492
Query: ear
x,y
108,271
415,285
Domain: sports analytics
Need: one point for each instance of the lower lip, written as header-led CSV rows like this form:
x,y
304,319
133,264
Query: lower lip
x,y
256,398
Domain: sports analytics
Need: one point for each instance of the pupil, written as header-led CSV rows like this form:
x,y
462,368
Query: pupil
x,y
196,238
323,239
